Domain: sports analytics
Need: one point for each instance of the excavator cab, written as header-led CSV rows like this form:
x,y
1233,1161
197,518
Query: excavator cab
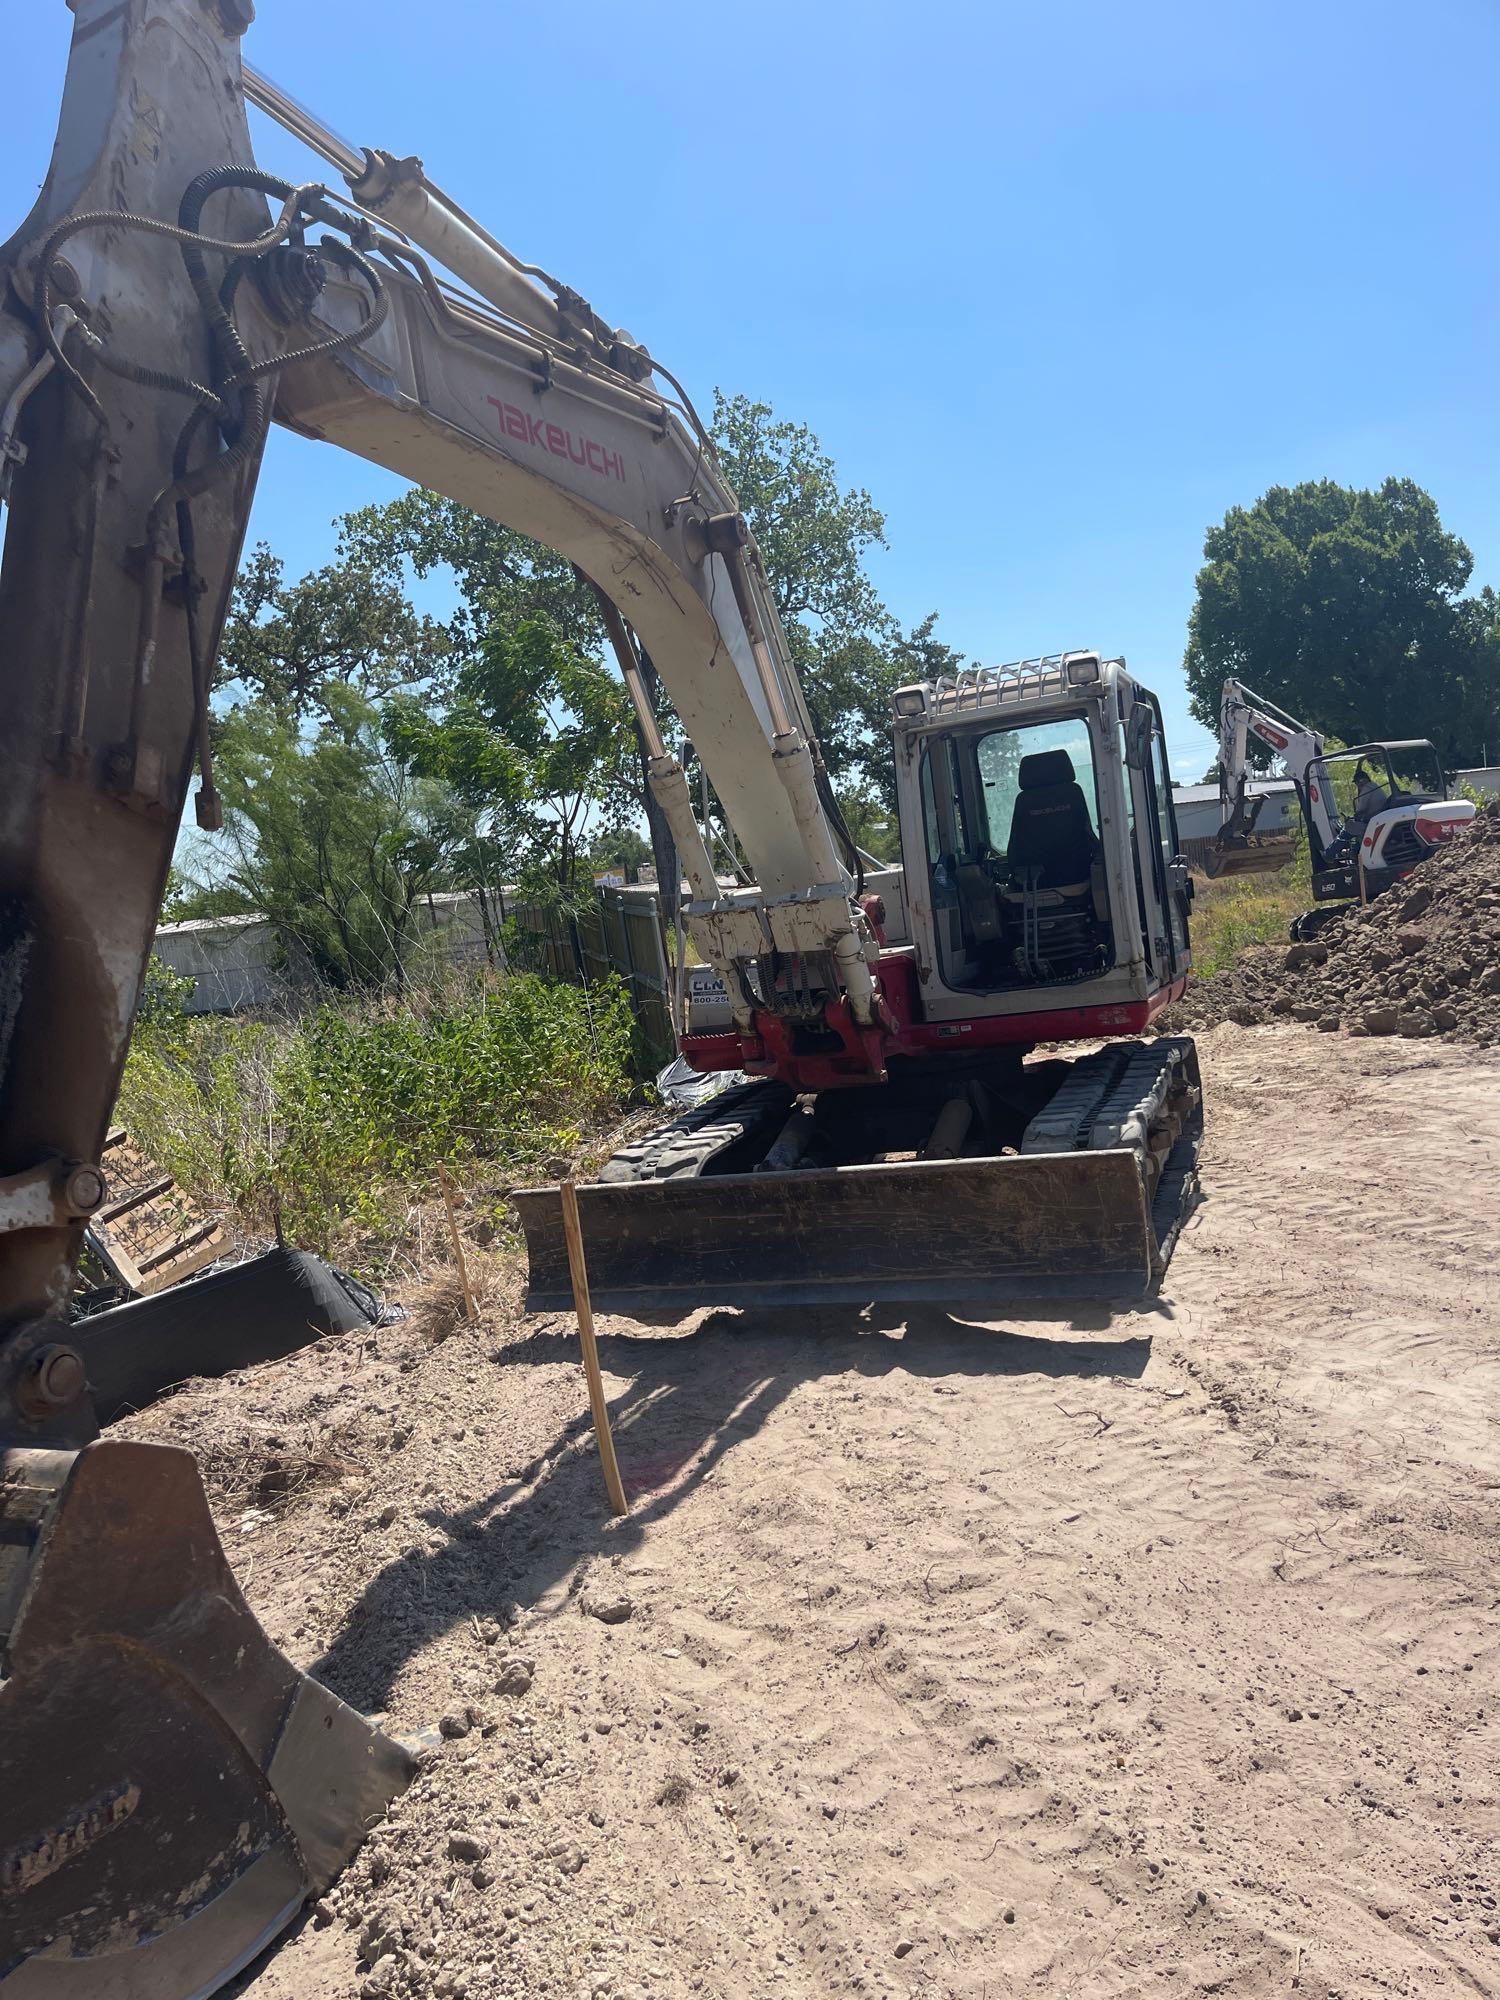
x,y
1047,876
1384,809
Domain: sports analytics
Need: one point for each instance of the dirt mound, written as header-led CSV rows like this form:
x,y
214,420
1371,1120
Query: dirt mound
x,y
1423,960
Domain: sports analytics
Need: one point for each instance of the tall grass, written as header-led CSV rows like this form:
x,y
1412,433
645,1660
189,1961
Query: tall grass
x,y
1231,915
330,1125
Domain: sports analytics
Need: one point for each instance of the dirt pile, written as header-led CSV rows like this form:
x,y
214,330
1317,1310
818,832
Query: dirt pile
x,y
1424,960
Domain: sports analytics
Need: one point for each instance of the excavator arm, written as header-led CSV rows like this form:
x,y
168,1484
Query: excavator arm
x,y
1238,848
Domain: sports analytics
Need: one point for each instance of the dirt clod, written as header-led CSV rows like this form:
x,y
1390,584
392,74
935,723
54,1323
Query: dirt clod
x,y
609,1610
516,1676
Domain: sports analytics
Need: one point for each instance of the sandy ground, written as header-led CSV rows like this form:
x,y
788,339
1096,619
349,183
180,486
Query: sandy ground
x,y
1153,1655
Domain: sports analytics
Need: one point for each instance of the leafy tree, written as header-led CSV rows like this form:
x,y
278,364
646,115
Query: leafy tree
x,y
618,847
349,625
190,896
814,538
1344,607
333,837
535,735
872,824
504,580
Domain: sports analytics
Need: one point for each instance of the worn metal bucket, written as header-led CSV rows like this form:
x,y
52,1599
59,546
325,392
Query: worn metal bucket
x,y
1051,1225
172,1789
1250,854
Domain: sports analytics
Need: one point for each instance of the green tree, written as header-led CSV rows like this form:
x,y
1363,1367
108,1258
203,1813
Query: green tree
x,y
190,896
349,625
535,739
1345,607
333,837
504,580
815,538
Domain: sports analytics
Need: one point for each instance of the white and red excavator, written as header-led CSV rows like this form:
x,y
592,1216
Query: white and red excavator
x,y
171,1787
1372,812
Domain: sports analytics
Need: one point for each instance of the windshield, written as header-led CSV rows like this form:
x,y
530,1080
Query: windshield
x,y
1012,824
1357,784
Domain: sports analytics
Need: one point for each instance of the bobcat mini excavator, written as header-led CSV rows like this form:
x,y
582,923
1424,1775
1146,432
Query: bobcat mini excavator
x,y
172,1789
1372,812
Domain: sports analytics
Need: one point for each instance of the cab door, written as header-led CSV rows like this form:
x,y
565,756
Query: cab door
x,y
1164,879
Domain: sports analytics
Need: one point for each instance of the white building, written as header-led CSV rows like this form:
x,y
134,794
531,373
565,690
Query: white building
x,y
237,963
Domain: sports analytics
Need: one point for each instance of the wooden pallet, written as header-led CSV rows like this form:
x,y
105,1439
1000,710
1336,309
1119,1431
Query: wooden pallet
x,y
148,1235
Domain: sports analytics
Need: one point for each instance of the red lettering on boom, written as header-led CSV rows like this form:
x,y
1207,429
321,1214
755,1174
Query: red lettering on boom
x,y
527,429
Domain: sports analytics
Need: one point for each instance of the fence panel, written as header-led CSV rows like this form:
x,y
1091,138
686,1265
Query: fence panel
x,y
618,933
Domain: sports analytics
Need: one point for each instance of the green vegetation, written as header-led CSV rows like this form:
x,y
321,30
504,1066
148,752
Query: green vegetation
x,y
331,1126
1243,910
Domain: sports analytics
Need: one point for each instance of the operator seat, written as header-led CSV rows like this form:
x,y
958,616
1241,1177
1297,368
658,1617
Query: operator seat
x,y
1056,890
1050,828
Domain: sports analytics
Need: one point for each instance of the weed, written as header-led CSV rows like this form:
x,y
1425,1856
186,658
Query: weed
x,y
331,1125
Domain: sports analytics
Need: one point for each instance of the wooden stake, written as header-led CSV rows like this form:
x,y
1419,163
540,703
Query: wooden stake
x,y
581,1305
458,1247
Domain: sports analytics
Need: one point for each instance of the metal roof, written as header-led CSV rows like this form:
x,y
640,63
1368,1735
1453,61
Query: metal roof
x,y
1197,795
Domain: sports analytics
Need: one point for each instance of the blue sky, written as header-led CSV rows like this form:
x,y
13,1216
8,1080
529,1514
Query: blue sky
x,y
1058,284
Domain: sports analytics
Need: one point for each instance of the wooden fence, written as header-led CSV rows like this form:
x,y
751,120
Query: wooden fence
x,y
618,933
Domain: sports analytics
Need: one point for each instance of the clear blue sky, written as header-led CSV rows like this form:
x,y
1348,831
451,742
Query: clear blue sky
x,y
1057,283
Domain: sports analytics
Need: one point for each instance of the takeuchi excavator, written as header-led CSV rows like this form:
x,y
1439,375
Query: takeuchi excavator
x,y
899,1120
1372,812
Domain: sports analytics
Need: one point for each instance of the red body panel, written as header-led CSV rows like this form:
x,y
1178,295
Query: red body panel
x,y
772,1050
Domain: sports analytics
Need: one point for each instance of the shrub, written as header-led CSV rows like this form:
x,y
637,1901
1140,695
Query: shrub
x,y
334,1123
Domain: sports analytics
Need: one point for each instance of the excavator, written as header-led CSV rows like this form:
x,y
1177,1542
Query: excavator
x,y
1372,813
900,1120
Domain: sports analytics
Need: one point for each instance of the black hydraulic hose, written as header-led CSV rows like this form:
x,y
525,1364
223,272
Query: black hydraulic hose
x,y
150,378
853,859
195,196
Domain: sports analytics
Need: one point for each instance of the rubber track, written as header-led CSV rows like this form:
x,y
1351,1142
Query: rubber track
x,y
685,1147
1111,1098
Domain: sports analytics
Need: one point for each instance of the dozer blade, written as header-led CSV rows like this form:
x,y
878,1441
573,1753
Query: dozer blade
x,y
1051,1225
171,1788
1259,854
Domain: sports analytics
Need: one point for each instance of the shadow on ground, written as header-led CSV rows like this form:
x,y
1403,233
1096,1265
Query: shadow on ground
x,y
692,1397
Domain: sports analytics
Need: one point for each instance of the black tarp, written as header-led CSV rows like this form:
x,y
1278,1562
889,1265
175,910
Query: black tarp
x,y
228,1318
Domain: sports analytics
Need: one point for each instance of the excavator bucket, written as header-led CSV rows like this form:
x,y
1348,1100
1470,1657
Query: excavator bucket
x,y
1239,849
172,1789
1249,854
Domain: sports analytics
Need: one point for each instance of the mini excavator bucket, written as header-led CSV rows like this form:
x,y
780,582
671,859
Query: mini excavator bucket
x,y
1057,1223
1249,854
172,1790
1239,850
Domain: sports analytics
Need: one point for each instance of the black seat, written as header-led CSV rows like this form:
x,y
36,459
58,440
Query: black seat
x,y
1050,829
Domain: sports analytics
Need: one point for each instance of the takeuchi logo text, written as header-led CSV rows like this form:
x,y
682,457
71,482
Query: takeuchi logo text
x,y
527,429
